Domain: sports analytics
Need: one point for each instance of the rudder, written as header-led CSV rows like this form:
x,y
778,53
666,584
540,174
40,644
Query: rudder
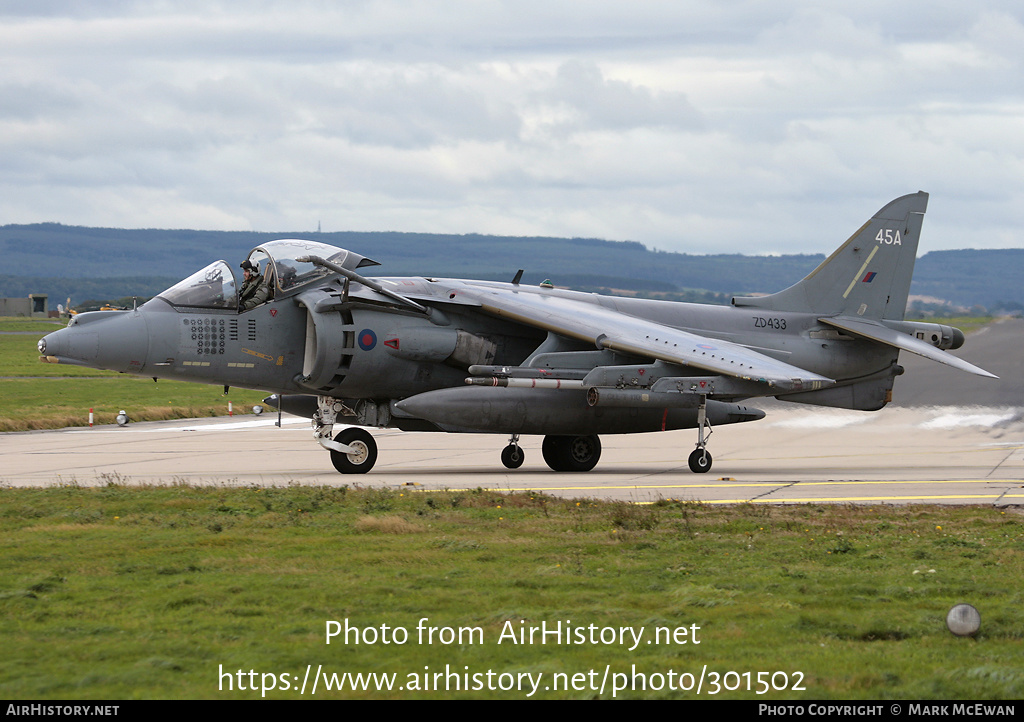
x,y
868,276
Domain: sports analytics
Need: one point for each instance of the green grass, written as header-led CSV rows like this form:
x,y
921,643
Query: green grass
x,y
20,357
120,591
58,403
17,324
39,395
967,324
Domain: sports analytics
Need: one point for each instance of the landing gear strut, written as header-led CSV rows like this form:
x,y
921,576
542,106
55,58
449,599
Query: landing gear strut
x,y
512,456
700,459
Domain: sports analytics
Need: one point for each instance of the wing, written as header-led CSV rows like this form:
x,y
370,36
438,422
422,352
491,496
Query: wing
x,y
606,328
883,334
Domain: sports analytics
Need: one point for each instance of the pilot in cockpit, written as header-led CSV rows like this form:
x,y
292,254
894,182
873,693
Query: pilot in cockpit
x,y
254,291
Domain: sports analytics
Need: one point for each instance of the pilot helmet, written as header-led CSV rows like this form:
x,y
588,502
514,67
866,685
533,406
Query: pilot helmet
x,y
250,266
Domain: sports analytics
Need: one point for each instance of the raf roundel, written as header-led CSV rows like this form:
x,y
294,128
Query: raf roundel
x,y
367,339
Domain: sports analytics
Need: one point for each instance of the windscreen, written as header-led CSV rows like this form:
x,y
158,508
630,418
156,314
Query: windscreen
x,y
212,287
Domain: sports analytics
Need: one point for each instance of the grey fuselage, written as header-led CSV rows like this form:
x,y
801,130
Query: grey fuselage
x,y
372,353
478,356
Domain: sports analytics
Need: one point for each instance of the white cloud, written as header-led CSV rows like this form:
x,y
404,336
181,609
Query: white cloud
x,y
741,127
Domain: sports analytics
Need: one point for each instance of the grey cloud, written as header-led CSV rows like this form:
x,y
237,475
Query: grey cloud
x,y
617,104
652,122
32,100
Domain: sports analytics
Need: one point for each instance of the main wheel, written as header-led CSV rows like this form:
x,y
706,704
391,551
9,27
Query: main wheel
x,y
700,461
512,456
571,453
363,456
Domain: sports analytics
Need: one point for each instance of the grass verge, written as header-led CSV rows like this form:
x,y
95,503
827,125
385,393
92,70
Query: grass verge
x,y
38,395
56,403
122,592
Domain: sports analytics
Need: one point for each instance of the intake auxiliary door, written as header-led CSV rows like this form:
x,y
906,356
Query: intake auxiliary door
x,y
330,340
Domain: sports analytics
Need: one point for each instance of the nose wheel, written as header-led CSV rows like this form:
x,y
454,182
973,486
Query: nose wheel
x,y
363,454
512,455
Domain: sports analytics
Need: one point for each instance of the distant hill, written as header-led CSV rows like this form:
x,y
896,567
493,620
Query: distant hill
x,y
989,277
110,263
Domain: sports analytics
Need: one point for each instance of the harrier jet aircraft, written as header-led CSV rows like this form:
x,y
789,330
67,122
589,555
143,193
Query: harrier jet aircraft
x,y
437,354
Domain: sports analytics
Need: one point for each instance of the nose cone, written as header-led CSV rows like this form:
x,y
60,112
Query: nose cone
x,y
115,340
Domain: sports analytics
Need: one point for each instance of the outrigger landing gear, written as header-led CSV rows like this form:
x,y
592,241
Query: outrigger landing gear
x,y
700,459
512,455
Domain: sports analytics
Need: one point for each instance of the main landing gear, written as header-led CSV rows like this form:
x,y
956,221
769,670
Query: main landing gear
x,y
561,453
353,450
571,453
581,453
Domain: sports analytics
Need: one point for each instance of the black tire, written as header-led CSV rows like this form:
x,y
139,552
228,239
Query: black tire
x,y
512,456
571,453
360,461
700,461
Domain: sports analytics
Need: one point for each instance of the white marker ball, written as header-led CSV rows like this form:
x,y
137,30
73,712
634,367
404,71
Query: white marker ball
x,y
963,620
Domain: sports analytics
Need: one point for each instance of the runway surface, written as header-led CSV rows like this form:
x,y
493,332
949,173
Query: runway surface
x,y
949,455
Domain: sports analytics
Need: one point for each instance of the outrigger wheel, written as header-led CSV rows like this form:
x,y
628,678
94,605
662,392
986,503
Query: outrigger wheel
x,y
363,455
700,461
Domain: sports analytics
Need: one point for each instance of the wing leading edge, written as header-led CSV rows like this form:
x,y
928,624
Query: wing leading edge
x,y
616,331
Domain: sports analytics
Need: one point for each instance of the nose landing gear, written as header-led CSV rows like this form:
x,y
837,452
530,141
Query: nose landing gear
x,y
363,454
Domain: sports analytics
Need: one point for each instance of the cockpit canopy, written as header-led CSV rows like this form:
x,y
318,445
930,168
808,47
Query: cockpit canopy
x,y
216,286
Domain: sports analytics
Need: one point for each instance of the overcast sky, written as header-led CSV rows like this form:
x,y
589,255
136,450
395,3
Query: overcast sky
x,y
747,127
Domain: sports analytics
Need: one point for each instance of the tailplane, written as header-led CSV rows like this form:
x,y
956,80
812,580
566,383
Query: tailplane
x,y
866,277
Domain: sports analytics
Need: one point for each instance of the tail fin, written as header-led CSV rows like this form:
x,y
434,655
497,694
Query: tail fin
x,y
868,276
